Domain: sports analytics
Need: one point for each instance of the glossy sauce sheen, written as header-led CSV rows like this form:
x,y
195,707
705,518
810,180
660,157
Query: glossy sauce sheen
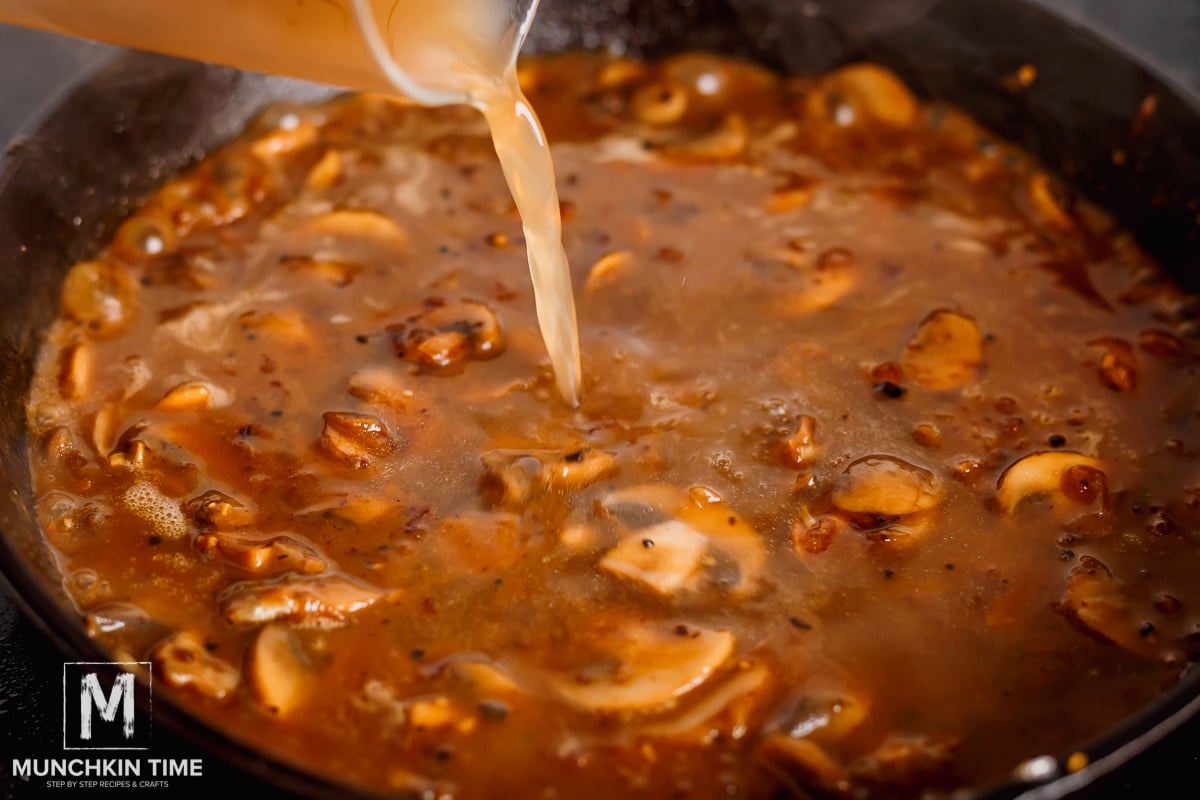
x,y
883,477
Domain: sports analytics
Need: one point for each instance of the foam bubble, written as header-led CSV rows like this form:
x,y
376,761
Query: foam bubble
x,y
145,500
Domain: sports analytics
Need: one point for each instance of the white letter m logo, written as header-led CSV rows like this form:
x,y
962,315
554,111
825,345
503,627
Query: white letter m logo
x,y
90,694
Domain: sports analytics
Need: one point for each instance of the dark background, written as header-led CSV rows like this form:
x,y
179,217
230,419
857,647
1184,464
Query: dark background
x,y
1164,33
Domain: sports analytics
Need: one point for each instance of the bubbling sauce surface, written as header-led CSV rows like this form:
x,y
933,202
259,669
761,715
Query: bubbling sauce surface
x,y
883,479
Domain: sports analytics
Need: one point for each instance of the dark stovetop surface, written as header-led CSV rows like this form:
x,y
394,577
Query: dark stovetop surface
x,y
1168,31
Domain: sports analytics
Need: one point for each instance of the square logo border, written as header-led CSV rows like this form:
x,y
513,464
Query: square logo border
x,y
149,704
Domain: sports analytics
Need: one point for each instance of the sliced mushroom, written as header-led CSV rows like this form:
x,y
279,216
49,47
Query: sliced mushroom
x,y
806,765
659,104
218,510
815,534
664,558
288,326
608,270
1059,474
325,172
644,668
101,296
725,142
272,556
286,141
734,698
334,273
380,386
183,660
484,676
1096,602
514,476
355,439
445,337
945,353
863,92
730,535
887,485
356,226
834,276
306,601
578,469
825,715
78,363
193,396
277,671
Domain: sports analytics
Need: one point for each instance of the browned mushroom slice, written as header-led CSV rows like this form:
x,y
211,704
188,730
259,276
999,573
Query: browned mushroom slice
x,y
823,283
1096,602
731,536
945,353
194,396
264,556
355,439
664,558
887,485
578,469
182,660
78,362
826,715
816,534
277,671
447,335
218,510
805,765
325,172
1117,368
306,601
724,711
863,93
512,477
101,296
725,142
644,667
909,761
353,229
1061,475
483,676
380,386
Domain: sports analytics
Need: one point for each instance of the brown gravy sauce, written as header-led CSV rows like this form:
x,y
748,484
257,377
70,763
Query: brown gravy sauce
x,y
883,477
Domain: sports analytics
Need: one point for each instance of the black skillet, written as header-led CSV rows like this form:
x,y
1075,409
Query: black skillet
x,y
135,121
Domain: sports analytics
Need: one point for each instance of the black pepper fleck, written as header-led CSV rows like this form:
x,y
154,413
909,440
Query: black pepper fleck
x,y
575,457
155,541
890,390
1146,629
417,654
278,412
1057,441
799,624
887,573
648,543
361,339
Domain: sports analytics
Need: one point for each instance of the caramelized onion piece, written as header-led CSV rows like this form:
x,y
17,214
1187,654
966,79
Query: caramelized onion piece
x,y
75,374
1048,473
356,225
659,104
182,660
304,601
887,485
645,668
277,672
945,353
664,558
